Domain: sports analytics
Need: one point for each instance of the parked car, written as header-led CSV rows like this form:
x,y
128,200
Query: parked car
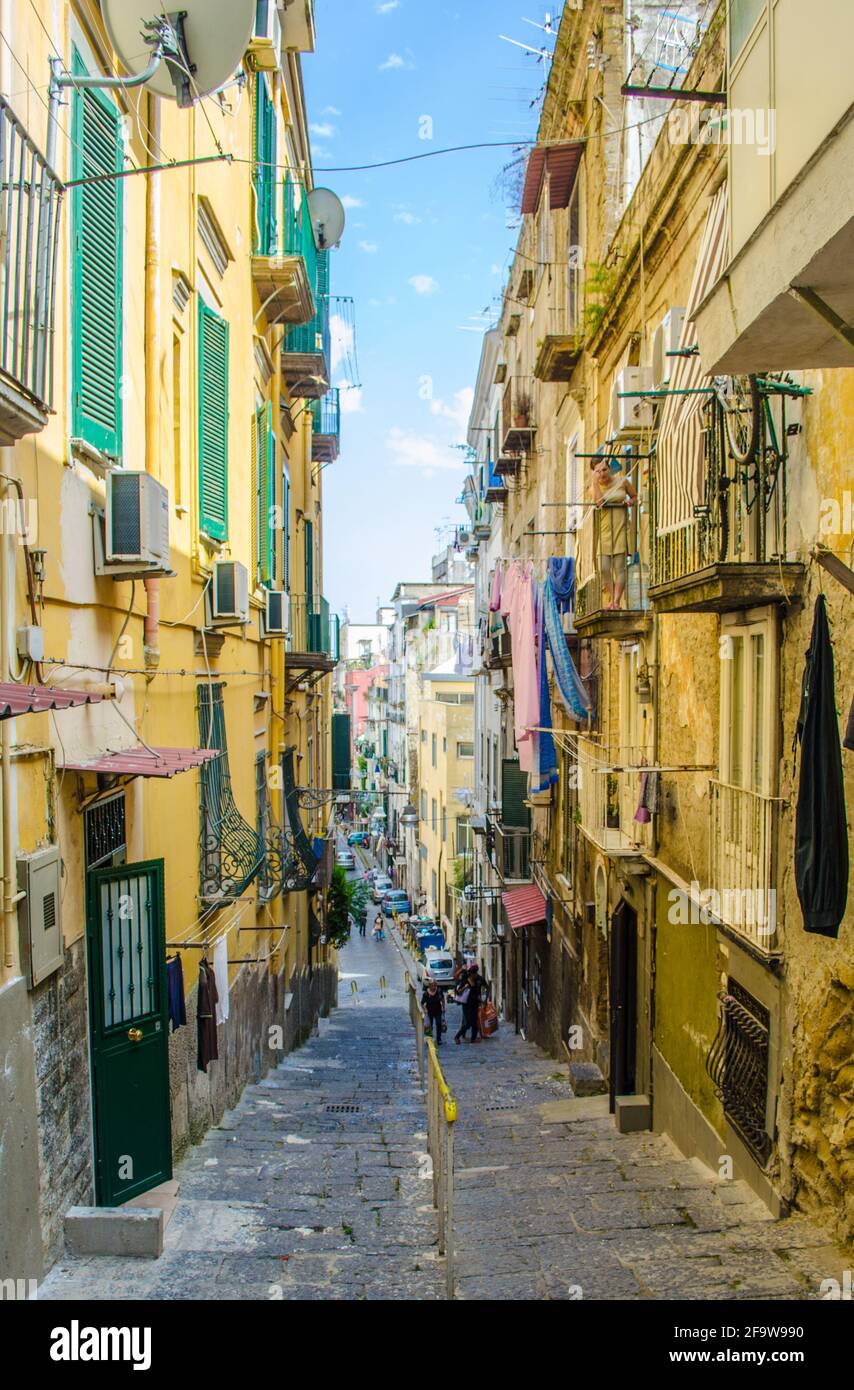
x,y
398,901
357,837
438,965
382,885
346,859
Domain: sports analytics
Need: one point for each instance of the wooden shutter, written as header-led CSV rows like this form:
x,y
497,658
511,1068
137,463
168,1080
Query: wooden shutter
x,y
264,152
213,423
514,790
97,271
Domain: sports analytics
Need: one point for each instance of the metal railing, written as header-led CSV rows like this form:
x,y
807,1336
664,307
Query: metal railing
x,y
30,203
743,829
513,852
518,414
326,413
608,795
313,337
441,1118
313,629
297,231
612,560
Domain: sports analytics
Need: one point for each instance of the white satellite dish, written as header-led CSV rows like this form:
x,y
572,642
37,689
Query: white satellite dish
x,y
327,216
214,34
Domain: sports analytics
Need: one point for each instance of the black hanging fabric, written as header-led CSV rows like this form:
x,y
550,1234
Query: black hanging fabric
x,y
175,992
821,829
206,1016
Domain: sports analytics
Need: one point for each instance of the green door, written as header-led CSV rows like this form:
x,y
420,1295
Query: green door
x,y
128,1013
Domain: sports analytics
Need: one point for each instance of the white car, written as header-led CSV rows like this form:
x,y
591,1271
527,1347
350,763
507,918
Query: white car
x,y
382,884
346,859
438,965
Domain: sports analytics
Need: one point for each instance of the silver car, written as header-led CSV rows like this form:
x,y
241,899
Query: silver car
x,y
382,885
438,965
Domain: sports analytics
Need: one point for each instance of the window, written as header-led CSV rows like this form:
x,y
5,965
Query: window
x,y
434,884
96,274
743,14
433,749
574,260
286,524
433,815
423,736
424,807
264,495
465,749
264,180
748,701
213,423
177,431
463,835
444,745
104,833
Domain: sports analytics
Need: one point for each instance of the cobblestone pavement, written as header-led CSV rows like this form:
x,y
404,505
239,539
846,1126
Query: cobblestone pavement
x,y
551,1202
316,1185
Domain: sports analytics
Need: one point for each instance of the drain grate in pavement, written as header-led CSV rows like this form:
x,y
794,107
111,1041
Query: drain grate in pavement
x,y
343,1109
506,1106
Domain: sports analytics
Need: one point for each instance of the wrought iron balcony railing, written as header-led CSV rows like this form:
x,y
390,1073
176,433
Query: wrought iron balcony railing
x,y
30,203
326,426
285,259
743,832
608,783
613,570
231,850
314,629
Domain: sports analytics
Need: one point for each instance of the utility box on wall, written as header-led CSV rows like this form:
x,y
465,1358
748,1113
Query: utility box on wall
x,y
40,913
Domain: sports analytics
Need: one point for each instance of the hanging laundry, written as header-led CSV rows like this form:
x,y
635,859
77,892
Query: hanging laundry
x,y
545,759
821,829
569,683
495,596
517,605
561,572
648,797
175,993
220,966
206,1016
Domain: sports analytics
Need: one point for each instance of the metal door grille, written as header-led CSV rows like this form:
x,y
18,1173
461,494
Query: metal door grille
x,y
106,836
738,1066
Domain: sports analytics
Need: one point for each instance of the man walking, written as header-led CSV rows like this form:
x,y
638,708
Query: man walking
x,y
468,995
433,1008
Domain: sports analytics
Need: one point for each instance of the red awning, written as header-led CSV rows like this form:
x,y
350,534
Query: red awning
x,y
524,906
561,162
34,699
138,762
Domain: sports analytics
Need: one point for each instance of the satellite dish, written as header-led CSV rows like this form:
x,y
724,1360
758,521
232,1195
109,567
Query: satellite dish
x,y
327,216
214,35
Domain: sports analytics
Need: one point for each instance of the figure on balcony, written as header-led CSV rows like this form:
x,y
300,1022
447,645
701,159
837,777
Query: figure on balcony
x,y
613,492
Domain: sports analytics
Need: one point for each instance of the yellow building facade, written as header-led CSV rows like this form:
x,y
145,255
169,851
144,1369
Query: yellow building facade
x,y
170,804
445,783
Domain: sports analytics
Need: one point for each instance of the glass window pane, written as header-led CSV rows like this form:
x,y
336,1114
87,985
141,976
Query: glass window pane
x,y
759,705
743,14
736,712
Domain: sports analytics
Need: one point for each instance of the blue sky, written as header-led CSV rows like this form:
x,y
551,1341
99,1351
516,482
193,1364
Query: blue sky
x,y
423,255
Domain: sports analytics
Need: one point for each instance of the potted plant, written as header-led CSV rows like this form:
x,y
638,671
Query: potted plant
x,y
521,411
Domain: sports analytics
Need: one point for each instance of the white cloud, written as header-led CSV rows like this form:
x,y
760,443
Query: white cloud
x,y
459,409
369,247
410,450
330,111
350,398
348,201
323,129
408,218
423,284
341,339
393,60
386,6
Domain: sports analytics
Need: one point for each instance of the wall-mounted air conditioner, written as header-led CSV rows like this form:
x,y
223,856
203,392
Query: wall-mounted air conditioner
x,y
40,913
265,46
632,413
132,533
666,340
229,593
277,613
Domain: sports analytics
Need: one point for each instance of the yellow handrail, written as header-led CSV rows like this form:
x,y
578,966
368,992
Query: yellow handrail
x,y
447,1097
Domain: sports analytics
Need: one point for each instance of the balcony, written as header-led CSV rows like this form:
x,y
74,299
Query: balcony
x,y
743,834
613,583
730,552
326,427
509,849
496,488
559,350
29,225
518,425
313,645
608,782
298,25
284,264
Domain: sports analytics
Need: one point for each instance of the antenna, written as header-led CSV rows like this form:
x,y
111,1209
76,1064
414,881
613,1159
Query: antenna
x,y
327,216
211,38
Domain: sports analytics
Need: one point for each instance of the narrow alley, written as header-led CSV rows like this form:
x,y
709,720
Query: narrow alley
x,y
317,1185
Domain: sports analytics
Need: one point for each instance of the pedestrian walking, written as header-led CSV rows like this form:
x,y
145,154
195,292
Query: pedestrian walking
x,y
433,1009
467,995
363,922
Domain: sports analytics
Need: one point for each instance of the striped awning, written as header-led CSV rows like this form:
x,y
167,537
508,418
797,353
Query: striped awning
x,y
561,163
679,454
524,906
34,699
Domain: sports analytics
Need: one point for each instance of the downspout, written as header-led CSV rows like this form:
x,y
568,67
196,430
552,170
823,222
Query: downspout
x,y
151,634
9,898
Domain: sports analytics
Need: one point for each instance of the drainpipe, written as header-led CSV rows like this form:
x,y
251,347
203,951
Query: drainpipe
x,y
151,637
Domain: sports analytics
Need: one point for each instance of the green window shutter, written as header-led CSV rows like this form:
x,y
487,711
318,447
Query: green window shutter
x,y
264,153
213,423
286,530
514,790
254,485
96,276
269,520
308,532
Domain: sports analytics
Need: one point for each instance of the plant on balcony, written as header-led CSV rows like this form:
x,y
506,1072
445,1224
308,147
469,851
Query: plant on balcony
x,y
598,289
521,411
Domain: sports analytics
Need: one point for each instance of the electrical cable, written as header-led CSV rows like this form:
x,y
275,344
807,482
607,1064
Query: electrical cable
x,y
123,627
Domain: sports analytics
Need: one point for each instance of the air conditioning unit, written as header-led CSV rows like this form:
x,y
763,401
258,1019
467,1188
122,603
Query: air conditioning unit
x,y
229,592
132,534
277,613
40,913
665,340
265,45
632,413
